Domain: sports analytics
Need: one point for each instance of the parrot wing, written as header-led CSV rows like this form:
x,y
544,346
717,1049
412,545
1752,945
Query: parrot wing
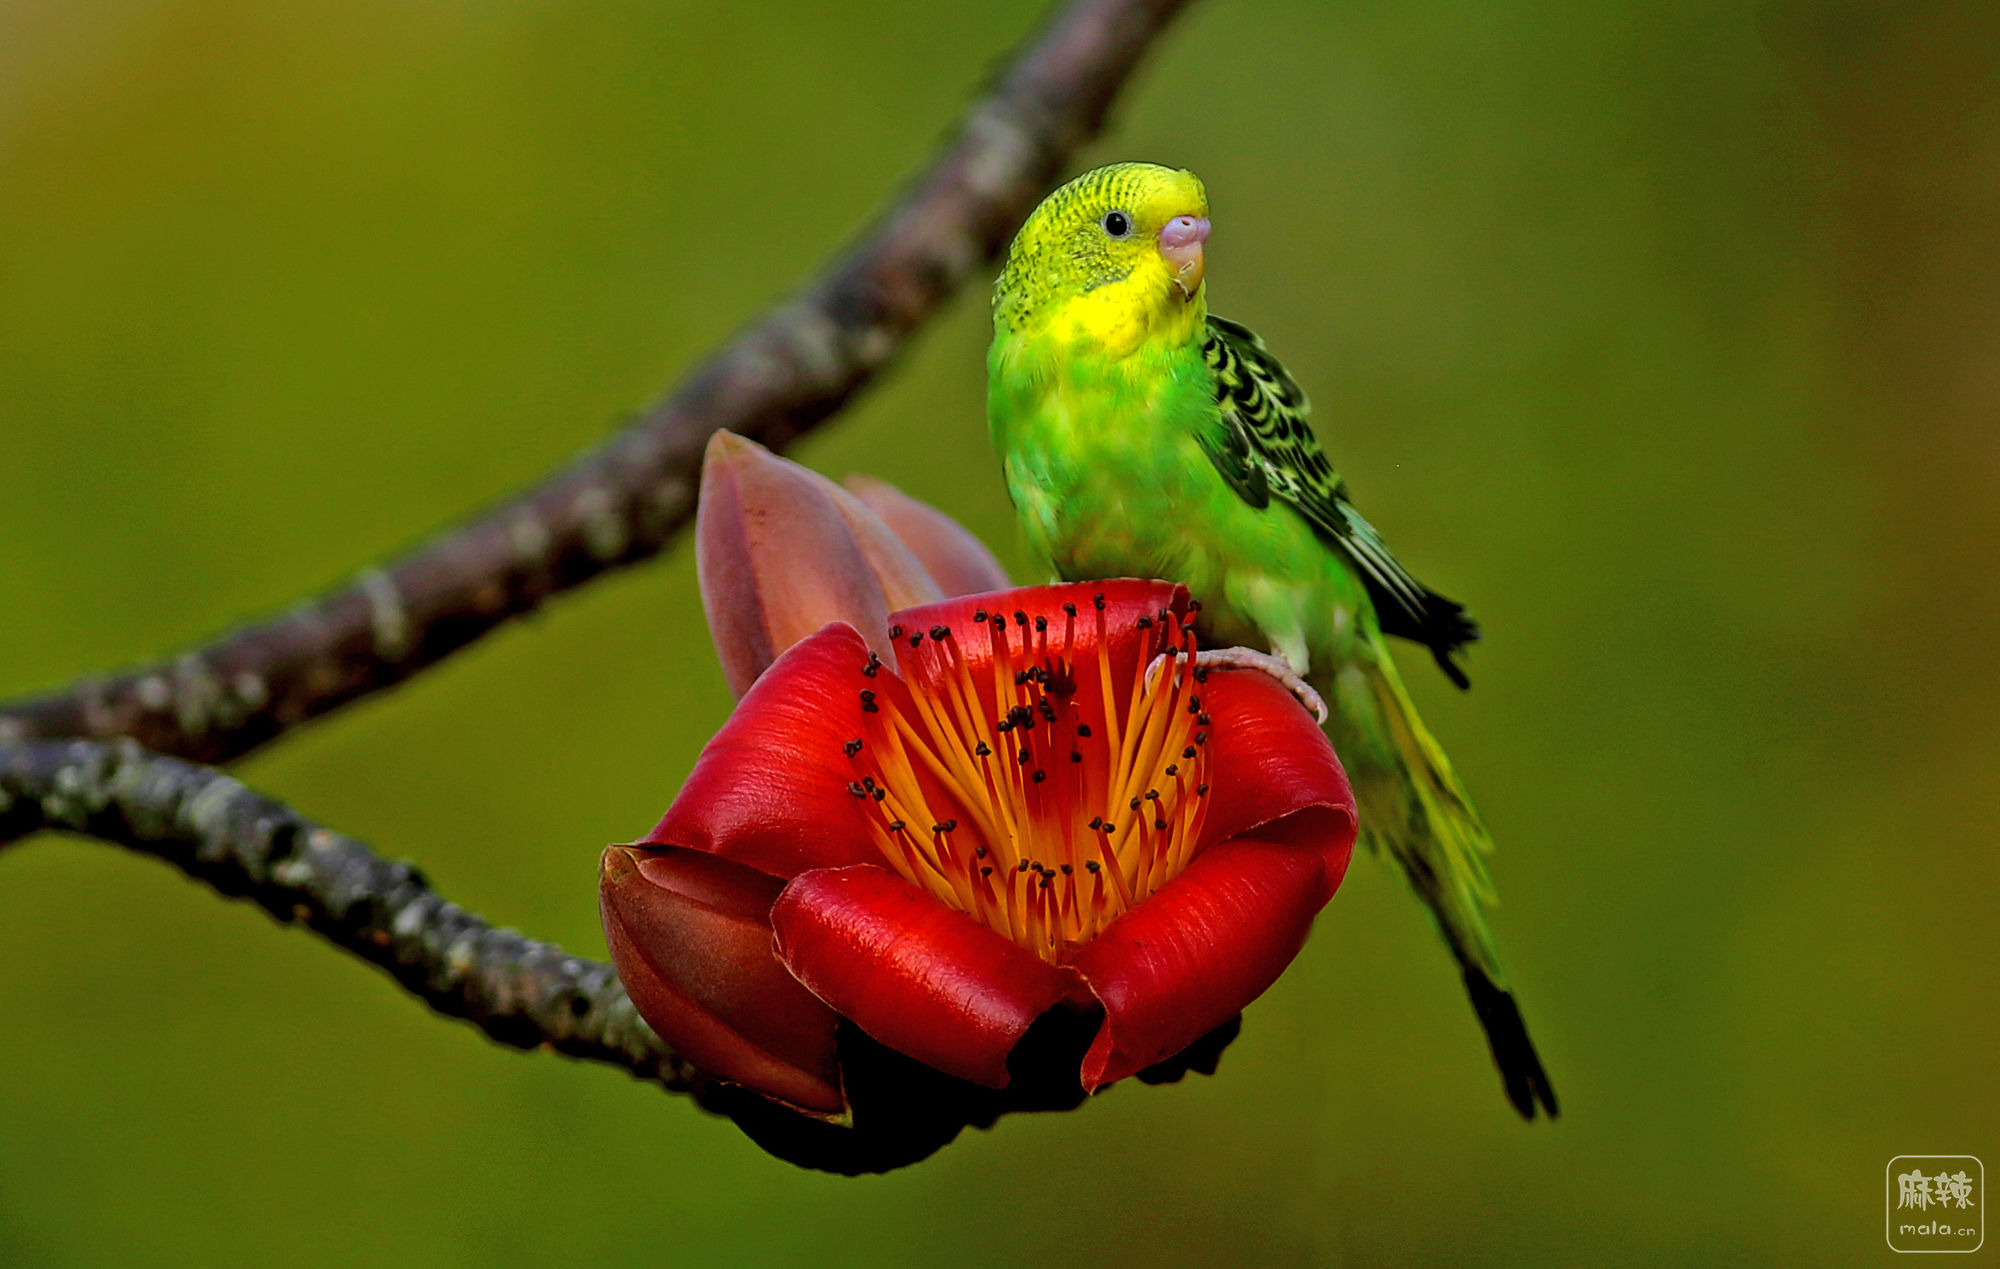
x,y
1264,447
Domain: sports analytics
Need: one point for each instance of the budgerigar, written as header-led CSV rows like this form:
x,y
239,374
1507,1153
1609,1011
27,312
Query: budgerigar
x,y
1141,436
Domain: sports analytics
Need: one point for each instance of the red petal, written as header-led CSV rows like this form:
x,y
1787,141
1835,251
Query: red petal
x,y
1272,770
1013,614
1201,948
770,790
959,562
691,937
924,979
783,551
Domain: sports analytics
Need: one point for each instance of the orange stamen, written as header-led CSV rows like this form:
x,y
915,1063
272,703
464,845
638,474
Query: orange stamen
x,y
1009,796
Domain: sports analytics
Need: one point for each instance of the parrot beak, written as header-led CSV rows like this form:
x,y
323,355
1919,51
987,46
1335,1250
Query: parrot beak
x,y
1181,242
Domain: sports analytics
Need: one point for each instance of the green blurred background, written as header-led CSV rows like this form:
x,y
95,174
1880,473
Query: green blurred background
x,y
1667,337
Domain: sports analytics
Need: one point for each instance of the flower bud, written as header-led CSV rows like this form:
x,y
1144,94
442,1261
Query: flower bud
x,y
958,561
783,551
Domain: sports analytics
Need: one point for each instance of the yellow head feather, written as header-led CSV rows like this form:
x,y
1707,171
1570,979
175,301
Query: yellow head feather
x,y
1086,268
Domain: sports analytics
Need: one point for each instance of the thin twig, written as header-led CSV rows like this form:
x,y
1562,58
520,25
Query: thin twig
x,y
518,991
622,502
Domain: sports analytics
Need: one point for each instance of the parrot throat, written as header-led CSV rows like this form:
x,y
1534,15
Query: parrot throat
x,y
1139,312
1046,795
1135,316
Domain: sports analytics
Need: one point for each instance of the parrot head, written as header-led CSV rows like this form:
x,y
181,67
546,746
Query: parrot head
x,y
1112,257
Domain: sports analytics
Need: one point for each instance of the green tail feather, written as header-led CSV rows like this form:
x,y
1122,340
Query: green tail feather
x,y
1414,809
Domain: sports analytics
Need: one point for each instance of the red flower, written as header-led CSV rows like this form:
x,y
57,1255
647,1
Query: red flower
x,y
1038,803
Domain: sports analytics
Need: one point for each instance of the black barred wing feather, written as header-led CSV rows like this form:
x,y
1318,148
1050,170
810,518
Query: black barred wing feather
x,y
1265,449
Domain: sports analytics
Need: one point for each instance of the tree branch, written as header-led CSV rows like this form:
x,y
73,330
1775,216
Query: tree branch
x,y
622,502
518,991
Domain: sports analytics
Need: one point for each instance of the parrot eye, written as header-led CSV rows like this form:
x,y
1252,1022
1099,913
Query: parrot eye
x,y
1116,223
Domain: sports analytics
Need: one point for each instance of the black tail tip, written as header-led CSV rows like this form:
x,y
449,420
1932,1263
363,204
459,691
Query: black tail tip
x,y
1452,670
1521,1072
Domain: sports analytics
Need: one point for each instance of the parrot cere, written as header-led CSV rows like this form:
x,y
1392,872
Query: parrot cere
x,y
1142,437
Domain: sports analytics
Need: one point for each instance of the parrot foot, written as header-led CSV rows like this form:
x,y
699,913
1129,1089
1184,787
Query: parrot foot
x,y
1251,659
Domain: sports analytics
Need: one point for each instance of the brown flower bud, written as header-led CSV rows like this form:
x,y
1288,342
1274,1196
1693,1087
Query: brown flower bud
x,y
782,551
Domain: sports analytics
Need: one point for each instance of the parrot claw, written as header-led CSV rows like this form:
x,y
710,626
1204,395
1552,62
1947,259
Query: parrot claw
x,y
1251,659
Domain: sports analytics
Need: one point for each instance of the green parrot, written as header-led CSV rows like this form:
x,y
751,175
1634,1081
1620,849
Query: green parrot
x,y
1142,437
